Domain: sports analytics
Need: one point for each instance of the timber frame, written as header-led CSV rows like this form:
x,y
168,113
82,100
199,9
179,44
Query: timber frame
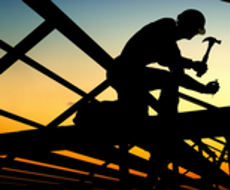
x,y
25,163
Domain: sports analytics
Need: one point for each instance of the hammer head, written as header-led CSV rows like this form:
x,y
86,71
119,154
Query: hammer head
x,y
212,40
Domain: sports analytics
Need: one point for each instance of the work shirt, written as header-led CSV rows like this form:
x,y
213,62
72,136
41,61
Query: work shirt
x,y
155,42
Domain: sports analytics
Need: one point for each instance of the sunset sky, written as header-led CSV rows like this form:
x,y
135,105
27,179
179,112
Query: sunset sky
x,y
110,24
30,94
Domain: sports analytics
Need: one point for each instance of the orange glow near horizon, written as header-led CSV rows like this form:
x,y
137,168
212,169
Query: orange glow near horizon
x,y
140,152
137,151
131,171
96,161
217,145
3,156
182,171
170,166
106,177
221,139
225,167
138,173
40,174
88,182
189,142
190,174
13,183
193,175
78,156
26,179
214,144
189,187
50,166
222,188
113,166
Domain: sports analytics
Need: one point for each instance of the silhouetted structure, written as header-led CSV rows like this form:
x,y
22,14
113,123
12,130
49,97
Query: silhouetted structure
x,y
19,157
226,1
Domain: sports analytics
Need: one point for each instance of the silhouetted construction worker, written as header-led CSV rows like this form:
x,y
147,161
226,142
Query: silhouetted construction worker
x,y
132,79
156,43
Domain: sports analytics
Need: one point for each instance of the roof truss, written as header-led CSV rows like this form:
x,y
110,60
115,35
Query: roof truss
x,y
21,165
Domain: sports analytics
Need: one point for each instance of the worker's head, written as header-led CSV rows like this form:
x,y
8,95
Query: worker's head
x,y
191,22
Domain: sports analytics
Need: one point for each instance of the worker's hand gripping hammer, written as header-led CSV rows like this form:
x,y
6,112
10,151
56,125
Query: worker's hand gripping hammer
x,y
211,41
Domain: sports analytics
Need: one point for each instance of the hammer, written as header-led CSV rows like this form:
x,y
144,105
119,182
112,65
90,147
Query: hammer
x,y
211,41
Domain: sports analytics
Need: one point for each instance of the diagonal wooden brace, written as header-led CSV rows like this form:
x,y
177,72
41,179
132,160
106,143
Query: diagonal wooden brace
x,y
49,11
21,119
25,45
100,88
43,70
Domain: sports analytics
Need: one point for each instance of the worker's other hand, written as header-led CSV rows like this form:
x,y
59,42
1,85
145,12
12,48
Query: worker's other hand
x,y
200,67
212,87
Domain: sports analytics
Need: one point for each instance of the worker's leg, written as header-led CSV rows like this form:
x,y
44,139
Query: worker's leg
x,y
169,99
131,90
134,101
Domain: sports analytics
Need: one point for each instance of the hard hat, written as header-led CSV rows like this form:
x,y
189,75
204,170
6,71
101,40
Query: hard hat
x,y
193,19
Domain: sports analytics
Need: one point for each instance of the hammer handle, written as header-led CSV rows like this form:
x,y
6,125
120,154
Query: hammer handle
x,y
204,60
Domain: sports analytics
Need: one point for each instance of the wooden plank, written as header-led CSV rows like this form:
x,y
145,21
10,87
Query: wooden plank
x,y
25,45
66,162
62,166
72,164
212,123
46,170
40,156
197,102
202,124
186,157
70,140
72,136
136,182
20,119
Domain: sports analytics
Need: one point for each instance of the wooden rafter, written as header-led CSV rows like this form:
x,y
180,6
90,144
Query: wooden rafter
x,y
100,145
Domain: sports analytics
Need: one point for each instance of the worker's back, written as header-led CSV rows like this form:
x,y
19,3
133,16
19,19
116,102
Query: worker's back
x,y
153,43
